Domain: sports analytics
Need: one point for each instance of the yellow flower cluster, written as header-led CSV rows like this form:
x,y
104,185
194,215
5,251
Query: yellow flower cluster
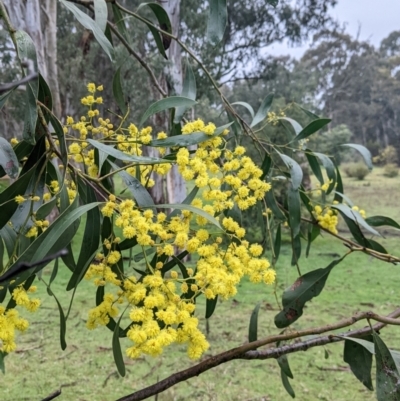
x,y
238,172
361,211
327,218
10,320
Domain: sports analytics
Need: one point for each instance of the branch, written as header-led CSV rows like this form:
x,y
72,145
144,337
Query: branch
x,y
242,352
6,87
52,396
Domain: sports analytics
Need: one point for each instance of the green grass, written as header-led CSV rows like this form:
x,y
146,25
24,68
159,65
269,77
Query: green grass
x,y
86,370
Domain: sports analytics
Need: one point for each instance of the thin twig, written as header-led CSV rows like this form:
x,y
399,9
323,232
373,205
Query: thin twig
x,y
52,395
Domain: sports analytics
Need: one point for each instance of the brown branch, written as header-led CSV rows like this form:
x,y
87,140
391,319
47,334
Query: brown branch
x,y
240,352
52,395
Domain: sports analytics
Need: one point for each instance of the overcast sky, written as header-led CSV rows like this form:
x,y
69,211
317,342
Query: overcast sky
x,y
375,19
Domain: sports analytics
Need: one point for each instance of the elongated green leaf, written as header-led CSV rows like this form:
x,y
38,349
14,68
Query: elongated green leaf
x,y
302,290
314,164
117,91
360,361
191,208
8,159
253,326
247,106
189,90
173,262
162,40
296,173
116,346
266,165
284,365
210,306
101,14
46,208
45,97
89,23
217,20
30,116
277,243
63,322
271,203
119,22
2,366
54,237
110,150
294,205
365,153
273,3
263,110
187,140
293,123
387,375
339,187
286,384
355,216
330,170
165,104
91,238
187,201
139,192
313,127
4,98
377,221
9,237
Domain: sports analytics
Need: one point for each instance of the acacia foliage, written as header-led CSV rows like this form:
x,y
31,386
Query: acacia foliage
x,y
133,249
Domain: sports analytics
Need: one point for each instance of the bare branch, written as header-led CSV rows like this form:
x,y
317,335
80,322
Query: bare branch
x,y
243,351
6,87
52,396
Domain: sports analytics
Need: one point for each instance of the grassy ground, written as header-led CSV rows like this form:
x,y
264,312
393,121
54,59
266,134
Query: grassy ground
x,y
86,371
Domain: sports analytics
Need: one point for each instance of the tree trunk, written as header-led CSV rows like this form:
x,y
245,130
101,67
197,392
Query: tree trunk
x,y
28,15
176,186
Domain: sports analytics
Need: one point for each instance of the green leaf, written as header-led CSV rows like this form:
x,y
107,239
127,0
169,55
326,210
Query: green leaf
x,y
110,150
293,123
266,165
53,238
187,140
296,173
284,365
45,97
63,322
191,208
277,243
187,201
162,40
263,110
302,290
89,23
271,203
330,170
360,361
387,375
287,385
217,21
46,208
101,14
30,120
189,91
339,187
91,237
2,366
116,346
8,159
165,104
117,91
311,128
273,3
139,192
210,306
119,22
253,326
3,100
377,221
365,153
294,205
314,164
355,216
247,106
